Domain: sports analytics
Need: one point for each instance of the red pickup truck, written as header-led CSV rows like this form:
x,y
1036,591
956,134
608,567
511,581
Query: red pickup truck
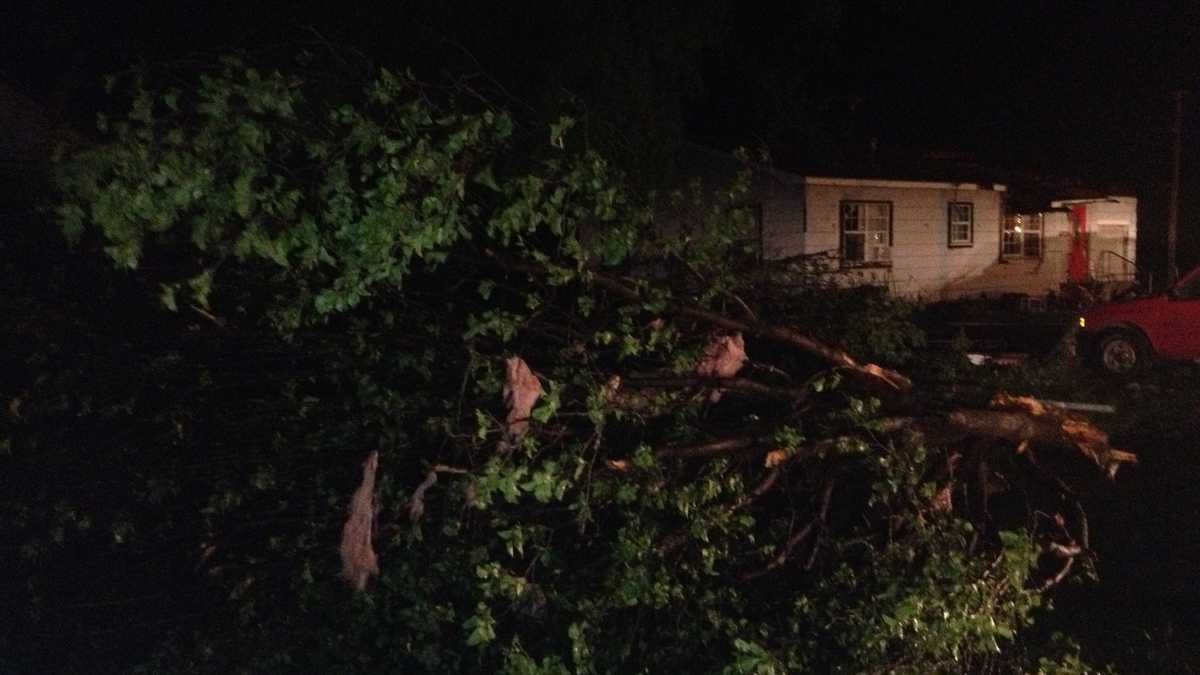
x,y
1123,337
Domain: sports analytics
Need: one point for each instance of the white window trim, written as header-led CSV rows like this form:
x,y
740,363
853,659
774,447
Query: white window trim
x,y
1023,229
842,234
951,222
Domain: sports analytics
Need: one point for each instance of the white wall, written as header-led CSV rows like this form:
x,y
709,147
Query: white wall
x,y
923,264
1111,226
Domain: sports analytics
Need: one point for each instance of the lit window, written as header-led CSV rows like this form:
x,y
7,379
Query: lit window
x,y
866,233
960,226
1022,236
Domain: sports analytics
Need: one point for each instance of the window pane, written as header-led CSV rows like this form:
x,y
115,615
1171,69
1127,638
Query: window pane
x,y
866,231
1012,243
1033,245
852,247
850,217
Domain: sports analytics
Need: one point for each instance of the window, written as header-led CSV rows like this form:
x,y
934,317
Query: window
x,y
960,224
866,233
1022,236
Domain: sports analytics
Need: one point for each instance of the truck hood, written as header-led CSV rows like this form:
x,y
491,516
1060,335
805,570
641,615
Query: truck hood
x,y
1110,311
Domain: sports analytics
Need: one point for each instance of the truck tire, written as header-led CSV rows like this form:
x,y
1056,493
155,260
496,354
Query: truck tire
x,y
1123,353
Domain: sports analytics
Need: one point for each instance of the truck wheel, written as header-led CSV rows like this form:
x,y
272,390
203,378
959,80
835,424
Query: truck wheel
x,y
1123,353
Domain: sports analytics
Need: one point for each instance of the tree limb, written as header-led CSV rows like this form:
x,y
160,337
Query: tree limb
x,y
887,384
1019,427
719,447
677,538
796,539
893,382
741,384
416,503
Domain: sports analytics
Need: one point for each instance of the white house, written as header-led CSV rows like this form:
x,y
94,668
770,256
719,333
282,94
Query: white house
x,y
937,240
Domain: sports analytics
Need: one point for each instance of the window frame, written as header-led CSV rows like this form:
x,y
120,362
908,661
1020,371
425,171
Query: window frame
x,y
951,242
1022,236
891,215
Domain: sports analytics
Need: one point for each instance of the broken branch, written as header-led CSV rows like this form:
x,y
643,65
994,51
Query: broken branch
x,y
795,540
741,384
359,561
895,382
416,504
722,446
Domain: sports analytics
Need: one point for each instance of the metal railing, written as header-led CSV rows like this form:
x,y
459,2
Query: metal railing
x,y
1125,276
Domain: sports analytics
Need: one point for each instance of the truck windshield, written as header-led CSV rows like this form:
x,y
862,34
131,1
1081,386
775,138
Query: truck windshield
x,y
1188,289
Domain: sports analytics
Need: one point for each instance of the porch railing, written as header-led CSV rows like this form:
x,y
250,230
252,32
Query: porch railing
x,y
1129,272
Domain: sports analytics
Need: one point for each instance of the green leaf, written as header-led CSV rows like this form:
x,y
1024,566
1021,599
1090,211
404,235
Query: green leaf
x,y
486,178
167,296
243,195
558,131
480,627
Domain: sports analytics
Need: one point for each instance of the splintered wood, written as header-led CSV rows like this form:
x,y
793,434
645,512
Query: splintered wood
x,y
521,392
723,357
359,561
1090,440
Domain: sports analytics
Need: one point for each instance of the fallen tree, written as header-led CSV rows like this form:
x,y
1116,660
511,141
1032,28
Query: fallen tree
x,y
565,448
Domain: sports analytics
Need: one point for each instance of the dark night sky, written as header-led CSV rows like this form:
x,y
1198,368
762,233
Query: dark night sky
x,y
1072,89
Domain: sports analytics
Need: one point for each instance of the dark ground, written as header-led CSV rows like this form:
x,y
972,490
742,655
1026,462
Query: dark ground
x,y
995,326
1142,614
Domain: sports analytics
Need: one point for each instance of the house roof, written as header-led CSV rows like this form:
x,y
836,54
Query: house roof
x,y
891,183
707,163
1025,191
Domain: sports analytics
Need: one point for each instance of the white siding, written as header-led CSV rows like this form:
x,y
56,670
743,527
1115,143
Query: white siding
x,y
1112,226
800,215
1031,276
923,264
